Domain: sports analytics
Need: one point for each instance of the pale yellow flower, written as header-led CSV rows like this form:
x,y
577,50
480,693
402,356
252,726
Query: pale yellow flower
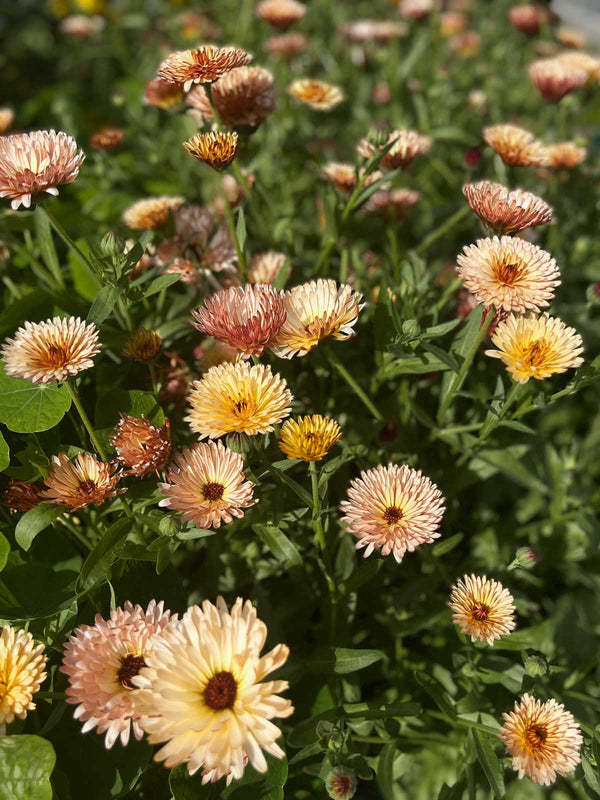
x,y
22,666
483,609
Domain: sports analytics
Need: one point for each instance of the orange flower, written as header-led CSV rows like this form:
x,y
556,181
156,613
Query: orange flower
x,y
7,116
162,94
217,149
516,146
152,212
319,95
81,483
280,13
141,446
565,155
205,64
505,211
107,138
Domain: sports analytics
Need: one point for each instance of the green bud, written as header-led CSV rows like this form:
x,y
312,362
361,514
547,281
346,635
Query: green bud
x,y
341,783
239,443
525,557
535,664
169,525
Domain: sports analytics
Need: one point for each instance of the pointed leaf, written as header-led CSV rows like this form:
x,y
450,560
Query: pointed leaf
x,y
103,304
35,521
278,543
489,762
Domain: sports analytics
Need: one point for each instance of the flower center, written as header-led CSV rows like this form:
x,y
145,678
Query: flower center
x,y
508,273
342,785
130,667
213,491
240,408
535,354
221,691
87,487
480,612
57,356
536,736
392,515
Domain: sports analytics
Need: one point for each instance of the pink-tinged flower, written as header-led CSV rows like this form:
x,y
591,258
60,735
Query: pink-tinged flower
x,y
141,446
554,78
393,508
505,211
407,145
101,661
288,45
516,146
363,31
588,63
528,18
212,246
80,483
280,14
205,64
186,269
244,96
565,155
21,495
415,9
82,25
265,267
483,609
32,163
151,212
22,664
395,204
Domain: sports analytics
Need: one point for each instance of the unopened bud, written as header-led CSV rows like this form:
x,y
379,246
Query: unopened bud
x,y
525,557
239,443
169,526
341,783
535,664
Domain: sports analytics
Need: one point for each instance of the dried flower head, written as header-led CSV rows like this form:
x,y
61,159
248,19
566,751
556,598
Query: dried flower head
x,y
288,45
536,348
54,350
141,446
80,483
394,204
238,398
207,670
516,146
205,64
21,495
528,18
341,176
22,673
508,273
101,661
280,14
543,739
31,163
415,9
585,61
363,31
212,246
162,94
565,155
406,146
319,95
554,78
309,438
265,267
151,212
217,148
107,138
7,116
244,96
505,211
143,345
341,783
483,609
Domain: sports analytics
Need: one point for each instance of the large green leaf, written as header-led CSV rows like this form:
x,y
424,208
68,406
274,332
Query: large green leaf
x,y
26,763
343,660
33,522
4,454
4,551
103,304
103,555
278,543
133,402
489,762
30,407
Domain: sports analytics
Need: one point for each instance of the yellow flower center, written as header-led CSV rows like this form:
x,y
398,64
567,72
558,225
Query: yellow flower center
x,y
130,667
213,491
221,691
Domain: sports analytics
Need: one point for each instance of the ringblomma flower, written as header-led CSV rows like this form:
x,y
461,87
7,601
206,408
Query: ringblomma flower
x,y
141,446
151,212
7,116
217,148
576,58
22,673
201,692
374,30
162,94
101,661
244,96
393,508
280,13
343,176
528,18
287,45
143,345
565,155
395,204
483,609
515,146
22,495
505,211
207,483
32,163
554,78
543,739
407,145
205,64
54,350
107,138
319,95
80,483
265,267
309,438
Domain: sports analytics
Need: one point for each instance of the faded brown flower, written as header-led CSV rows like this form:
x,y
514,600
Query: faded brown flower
x,y
107,138
143,345
244,96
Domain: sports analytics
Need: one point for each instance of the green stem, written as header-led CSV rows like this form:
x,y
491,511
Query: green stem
x,y
57,282
85,419
127,316
320,533
76,533
513,394
443,229
233,233
153,378
50,695
354,385
67,239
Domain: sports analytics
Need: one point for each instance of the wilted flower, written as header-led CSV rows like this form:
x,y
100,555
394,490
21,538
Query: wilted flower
x,y
374,30
406,146
341,783
207,670
288,45
244,96
32,163
543,739
309,438
217,148
516,146
151,212
21,495
107,138
528,18
101,661
22,673
7,116
483,609
205,64
533,347
81,25
394,204
319,95
162,94
186,269
280,13
54,350
505,211
265,267
141,446
143,345
415,9
393,508
207,483
81,483
565,155
554,78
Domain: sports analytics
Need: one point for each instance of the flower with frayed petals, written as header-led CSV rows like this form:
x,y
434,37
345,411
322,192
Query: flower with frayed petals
x,y
205,64
107,138
533,347
7,116
244,96
393,508
22,673
588,63
162,94
565,155
315,311
207,670
309,438
247,318
31,163
81,483
287,45
54,350
515,146
543,739
406,146
265,267
320,95
343,176
207,483
186,269
143,345
505,211
238,398
280,14
554,78
151,212
21,495
217,148
508,273
528,18
141,446
101,661
483,609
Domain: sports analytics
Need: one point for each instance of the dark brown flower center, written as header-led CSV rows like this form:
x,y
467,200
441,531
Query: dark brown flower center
x,y
480,612
130,667
213,491
87,487
241,406
392,515
57,356
536,736
221,691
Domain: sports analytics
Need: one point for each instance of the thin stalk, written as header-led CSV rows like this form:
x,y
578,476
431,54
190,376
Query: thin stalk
x,y
320,533
66,238
55,282
50,695
85,419
126,316
443,229
233,233
153,378
76,533
12,288
354,386
513,394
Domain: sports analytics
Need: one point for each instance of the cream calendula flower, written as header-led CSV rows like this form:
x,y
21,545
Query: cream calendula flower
x,y
205,64
539,347
151,212
217,148
506,211
79,483
319,95
280,14
101,661
483,609
393,508
265,267
309,438
22,664
516,146
201,692
543,739
554,78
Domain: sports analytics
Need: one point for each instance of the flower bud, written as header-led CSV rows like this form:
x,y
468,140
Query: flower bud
x,y
525,557
341,783
535,664
169,526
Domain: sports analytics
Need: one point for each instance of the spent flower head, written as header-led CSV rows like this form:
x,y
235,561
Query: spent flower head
x,y
205,64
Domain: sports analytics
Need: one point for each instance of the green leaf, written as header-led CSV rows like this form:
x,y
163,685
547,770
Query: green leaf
x,y
103,304
101,558
461,345
343,660
4,551
436,691
160,283
398,708
32,306
44,237
278,543
133,402
590,774
385,771
446,545
26,763
30,407
412,365
195,533
363,574
241,229
35,521
489,762
4,454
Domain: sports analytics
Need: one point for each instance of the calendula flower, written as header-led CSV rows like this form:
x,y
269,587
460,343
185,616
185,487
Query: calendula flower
x,y
196,228
141,446
543,739
101,661
151,212
319,95
21,495
394,204
415,9
107,138
217,148
393,508
22,673
407,146
533,347
508,273
238,398
575,58
341,176
186,269
554,78
80,483
32,163
528,18
162,94
54,350
516,146
211,353
483,609
374,30
82,26
341,783
570,37
207,670
247,318
265,267
244,96
452,23
205,64
280,14
505,211
466,44
565,155
309,438
287,45
143,345
315,311
207,483
7,116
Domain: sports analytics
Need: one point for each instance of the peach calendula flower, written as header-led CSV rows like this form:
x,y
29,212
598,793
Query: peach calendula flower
x,y
244,96
207,483
287,45
101,661
265,267
528,18
143,345
7,116
539,347
505,211
54,350
374,30
205,64
319,95
483,609
393,508
207,670
107,138
151,212
162,94
22,664
141,446
280,14
186,269
543,739
21,495
247,318
315,311
406,146
554,78
415,9
515,146
80,483
309,438
343,176
565,155
31,163
575,58
508,273
238,398
394,204
217,148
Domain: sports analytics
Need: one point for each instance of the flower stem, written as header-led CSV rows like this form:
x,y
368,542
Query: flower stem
x,y
85,419
443,229
153,378
233,233
320,533
335,362
66,238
